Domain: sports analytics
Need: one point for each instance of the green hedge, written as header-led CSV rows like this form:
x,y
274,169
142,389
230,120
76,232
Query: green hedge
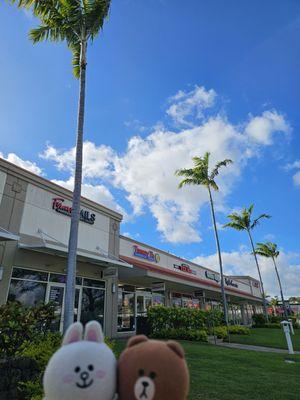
x,y
19,323
181,323
182,334
239,330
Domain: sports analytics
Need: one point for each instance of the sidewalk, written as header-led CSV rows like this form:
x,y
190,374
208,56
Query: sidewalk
x,y
249,347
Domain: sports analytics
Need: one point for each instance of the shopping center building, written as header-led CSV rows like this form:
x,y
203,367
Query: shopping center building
x,y
118,278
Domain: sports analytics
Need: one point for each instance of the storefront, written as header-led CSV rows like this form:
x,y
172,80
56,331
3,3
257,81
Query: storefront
x,y
117,279
158,277
35,222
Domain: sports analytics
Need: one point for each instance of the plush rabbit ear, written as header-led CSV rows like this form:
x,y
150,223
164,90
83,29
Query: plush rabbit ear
x,y
93,332
73,333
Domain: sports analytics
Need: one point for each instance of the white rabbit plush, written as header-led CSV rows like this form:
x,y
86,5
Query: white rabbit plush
x,y
81,369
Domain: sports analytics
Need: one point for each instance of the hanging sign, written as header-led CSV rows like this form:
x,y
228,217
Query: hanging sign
x,y
59,206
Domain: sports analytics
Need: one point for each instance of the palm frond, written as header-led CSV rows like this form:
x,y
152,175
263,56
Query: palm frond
x,y
268,250
217,167
234,225
95,12
189,172
257,220
213,185
188,181
75,48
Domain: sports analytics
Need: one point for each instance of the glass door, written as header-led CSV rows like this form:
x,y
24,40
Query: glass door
x,y
56,295
126,310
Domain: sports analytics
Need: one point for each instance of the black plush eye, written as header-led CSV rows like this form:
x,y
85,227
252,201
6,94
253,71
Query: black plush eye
x,y
152,375
90,367
77,369
141,372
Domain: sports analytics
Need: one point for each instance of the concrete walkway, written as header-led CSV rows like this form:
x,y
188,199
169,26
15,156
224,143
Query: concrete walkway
x,y
250,347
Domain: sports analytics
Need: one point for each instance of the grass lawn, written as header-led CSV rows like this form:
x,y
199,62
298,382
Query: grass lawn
x,y
267,337
228,374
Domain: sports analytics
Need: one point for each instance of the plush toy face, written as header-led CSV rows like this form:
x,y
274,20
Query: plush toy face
x,y
152,370
81,369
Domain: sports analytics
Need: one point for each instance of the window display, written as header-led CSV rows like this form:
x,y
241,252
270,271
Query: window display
x,y
126,309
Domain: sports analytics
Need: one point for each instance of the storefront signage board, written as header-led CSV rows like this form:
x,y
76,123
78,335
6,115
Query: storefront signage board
x,y
212,276
184,268
59,206
230,282
148,255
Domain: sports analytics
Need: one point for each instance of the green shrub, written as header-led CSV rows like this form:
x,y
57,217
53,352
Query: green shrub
x,y
19,324
238,330
221,332
273,325
258,320
181,334
162,318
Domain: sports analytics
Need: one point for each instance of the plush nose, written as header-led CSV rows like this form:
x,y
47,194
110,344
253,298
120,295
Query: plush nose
x,y
84,375
145,384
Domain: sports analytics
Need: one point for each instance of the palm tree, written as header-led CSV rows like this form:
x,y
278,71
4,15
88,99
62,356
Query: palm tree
x,y
76,22
202,175
243,222
269,250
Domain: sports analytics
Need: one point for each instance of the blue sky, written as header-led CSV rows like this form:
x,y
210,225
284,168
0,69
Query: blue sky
x,y
167,81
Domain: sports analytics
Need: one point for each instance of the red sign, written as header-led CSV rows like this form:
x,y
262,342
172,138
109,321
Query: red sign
x,y
185,268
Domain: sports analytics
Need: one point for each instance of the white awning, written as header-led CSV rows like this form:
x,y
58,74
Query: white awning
x,y
6,235
61,250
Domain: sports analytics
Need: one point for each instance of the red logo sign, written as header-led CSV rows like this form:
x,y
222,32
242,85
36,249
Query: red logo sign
x,y
185,268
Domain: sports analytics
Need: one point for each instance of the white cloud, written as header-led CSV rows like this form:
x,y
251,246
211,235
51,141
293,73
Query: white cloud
x,y
30,166
296,176
145,171
261,128
242,263
96,159
190,104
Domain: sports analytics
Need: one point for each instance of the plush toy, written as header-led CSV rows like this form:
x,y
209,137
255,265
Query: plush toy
x,y
152,370
81,369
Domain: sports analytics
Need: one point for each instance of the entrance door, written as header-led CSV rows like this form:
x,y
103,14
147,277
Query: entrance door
x,y
56,295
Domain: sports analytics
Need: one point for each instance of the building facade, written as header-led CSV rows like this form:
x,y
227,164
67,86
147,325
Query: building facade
x,y
118,279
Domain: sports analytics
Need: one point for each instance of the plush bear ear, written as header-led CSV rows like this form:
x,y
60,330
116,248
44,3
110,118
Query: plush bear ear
x,y
93,332
136,340
176,347
73,333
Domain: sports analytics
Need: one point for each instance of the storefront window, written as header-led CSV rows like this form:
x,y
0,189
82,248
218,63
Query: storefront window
x,y
158,299
60,278
28,274
176,300
31,287
29,293
126,310
143,302
92,305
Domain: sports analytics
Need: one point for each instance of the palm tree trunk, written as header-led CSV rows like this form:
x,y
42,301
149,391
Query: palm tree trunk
x,y
280,287
260,278
219,256
73,238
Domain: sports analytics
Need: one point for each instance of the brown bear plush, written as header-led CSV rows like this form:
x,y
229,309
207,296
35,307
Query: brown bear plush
x,y
152,370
